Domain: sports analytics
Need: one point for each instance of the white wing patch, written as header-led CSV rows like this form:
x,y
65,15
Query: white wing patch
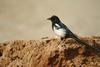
x,y
57,25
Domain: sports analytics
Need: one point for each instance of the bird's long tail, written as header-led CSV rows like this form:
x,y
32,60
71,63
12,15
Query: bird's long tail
x,y
84,43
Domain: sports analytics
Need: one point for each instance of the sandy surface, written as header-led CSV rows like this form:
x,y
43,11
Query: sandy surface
x,y
49,53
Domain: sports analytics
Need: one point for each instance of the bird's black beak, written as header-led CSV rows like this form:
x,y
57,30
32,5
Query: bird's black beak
x,y
48,18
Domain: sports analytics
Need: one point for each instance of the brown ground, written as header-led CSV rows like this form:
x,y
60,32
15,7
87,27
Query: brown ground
x,y
49,53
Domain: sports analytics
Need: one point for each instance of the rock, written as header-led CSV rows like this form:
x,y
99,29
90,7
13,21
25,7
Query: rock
x,y
49,53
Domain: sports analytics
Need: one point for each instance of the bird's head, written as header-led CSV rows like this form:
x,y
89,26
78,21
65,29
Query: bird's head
x,y
54,18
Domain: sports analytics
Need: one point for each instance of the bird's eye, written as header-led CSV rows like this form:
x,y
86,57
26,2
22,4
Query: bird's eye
x,y
53,19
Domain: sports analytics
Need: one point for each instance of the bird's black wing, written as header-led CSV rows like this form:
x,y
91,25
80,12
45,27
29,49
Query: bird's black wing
x,y
68,31
71,35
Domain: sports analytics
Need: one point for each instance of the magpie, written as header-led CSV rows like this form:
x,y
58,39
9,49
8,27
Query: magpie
x,y
61,30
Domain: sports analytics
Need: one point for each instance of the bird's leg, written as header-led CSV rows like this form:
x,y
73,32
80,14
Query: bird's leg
x,y
62,40
61,44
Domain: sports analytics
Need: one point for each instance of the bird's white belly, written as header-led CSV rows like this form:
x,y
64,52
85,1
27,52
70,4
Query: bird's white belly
x,y
60,32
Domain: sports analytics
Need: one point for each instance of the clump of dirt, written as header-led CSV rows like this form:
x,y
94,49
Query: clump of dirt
x,y
49,53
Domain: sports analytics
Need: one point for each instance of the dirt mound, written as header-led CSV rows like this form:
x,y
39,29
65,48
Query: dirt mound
x,y
49,53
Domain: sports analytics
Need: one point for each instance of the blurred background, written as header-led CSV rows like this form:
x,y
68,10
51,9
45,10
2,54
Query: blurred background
x,y
26,19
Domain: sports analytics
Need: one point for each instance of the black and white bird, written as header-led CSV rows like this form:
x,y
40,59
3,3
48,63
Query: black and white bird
x,y
61,29
63,32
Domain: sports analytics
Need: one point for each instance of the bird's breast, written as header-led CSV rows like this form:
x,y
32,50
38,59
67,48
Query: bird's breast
x,y
60,32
